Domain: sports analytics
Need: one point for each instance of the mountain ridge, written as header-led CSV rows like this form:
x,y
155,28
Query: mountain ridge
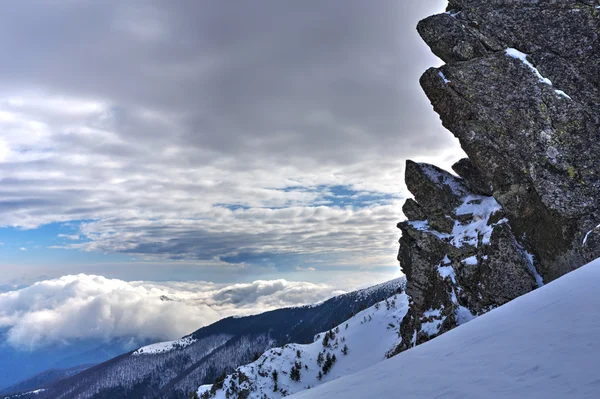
x,y
356,343
219,347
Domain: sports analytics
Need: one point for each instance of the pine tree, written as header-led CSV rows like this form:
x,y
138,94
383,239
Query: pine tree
x,y
295,371
328,363
275,377
345,350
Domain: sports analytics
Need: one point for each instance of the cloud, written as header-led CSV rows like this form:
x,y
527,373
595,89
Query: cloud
x,y
238,235
305,269
206,130
70,236
22,249
93,307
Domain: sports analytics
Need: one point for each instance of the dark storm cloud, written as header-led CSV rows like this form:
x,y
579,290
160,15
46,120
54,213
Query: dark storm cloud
x,y
145,114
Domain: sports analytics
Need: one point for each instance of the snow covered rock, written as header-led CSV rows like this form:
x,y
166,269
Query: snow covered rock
x,y
460,257
521,92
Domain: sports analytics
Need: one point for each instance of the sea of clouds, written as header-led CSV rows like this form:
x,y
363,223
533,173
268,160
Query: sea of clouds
x,y
75,307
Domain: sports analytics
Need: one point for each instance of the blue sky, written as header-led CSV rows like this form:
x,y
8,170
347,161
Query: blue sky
x,y
210,141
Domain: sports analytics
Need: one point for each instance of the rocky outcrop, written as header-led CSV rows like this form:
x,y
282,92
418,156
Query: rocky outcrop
x,y
458,252
521,92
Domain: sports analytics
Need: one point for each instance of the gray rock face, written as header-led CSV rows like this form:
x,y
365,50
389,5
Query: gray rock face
x,y
521,91
459,255
473,178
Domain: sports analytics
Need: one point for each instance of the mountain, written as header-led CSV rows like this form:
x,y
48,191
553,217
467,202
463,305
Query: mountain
x,y
490,244
173,369
44,378
17,364
544,344
361,341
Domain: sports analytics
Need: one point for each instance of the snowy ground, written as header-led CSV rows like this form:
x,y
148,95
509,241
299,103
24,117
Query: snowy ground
x,y
30,393
545,344
367,337
162,347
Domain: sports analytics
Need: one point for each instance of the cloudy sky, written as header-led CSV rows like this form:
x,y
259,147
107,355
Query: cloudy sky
x,y
209,140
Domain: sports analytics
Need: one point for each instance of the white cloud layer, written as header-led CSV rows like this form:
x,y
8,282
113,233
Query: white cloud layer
x,y
93,307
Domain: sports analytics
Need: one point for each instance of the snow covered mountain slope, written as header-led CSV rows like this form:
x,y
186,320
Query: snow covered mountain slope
x,y
545,344
162,347
173,369
360,342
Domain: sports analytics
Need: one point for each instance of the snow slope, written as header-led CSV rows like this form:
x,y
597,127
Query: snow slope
x,y
162,347
368,336
21,395
545,344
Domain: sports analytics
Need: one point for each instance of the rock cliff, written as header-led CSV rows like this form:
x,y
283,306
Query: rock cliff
x,y
521,92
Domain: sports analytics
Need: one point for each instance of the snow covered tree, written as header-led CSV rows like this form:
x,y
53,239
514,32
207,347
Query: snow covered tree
x,y
295,371
345,350
328,363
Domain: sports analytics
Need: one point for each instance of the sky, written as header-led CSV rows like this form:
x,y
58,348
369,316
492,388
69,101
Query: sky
x,y
210,141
